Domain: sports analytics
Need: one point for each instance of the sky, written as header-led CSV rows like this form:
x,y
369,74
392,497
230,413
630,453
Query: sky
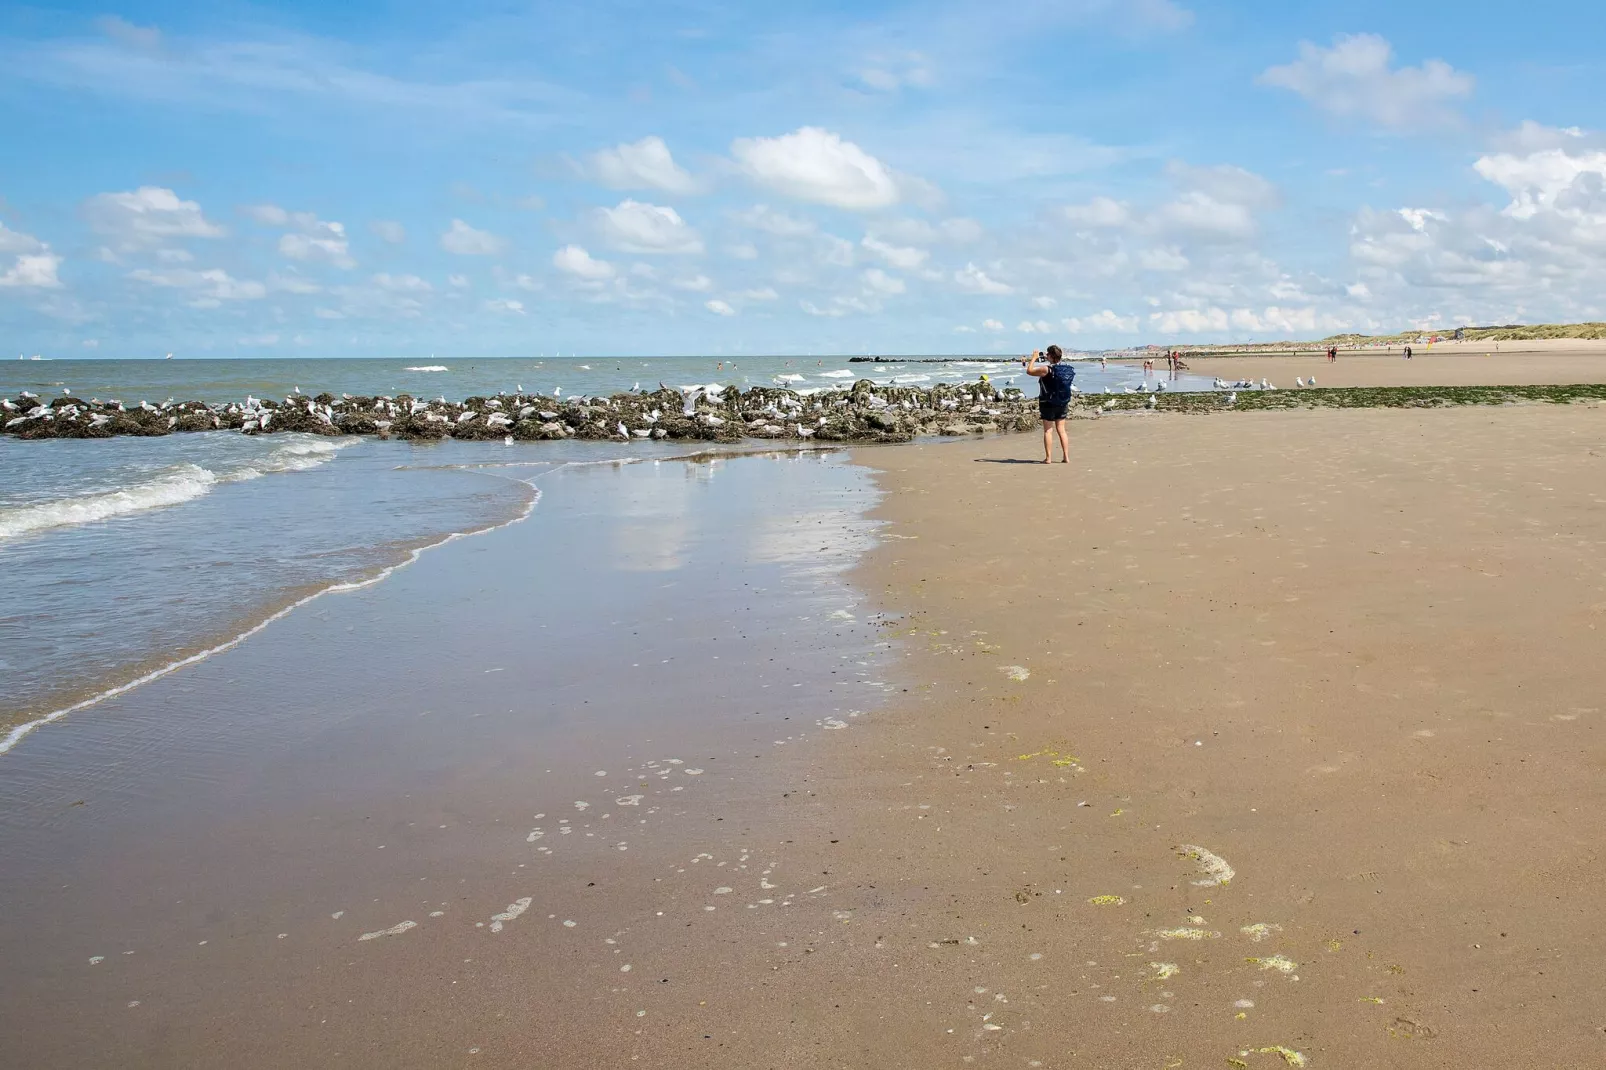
x,y
512,179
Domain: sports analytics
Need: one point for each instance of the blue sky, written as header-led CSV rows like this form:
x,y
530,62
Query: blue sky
x,y
510,179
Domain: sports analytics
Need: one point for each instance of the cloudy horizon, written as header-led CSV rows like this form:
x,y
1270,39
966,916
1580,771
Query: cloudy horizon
x,y
391,179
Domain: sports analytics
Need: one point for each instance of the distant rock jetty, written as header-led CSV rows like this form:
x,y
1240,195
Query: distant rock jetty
x,y
866,412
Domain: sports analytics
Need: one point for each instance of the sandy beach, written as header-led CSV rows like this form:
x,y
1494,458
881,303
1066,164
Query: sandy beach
x,y
1271,737
1442,364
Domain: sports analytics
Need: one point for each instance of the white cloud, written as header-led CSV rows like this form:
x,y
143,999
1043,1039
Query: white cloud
x,y
573,260
1552,179
1190,321
1106,322
647,228
976,281
891,72
33,271
1043,302
1037,327
719,308
763,217
268,214
402,283
1099,212
320,241
881,282
816,165
899,256
992,325
209,287
149,215
34,266
1354,80
645,164
464,240
766,293
293,284
14,241
388,230
1162,259
693,283
310,238
460,282
504,304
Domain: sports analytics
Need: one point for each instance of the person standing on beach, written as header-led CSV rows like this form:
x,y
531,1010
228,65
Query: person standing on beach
x,y
1054,381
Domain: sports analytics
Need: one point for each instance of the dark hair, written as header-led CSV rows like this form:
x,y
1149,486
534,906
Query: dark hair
x,y
1055,353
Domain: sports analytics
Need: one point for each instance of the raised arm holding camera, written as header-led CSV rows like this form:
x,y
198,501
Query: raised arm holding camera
x,y
1054,381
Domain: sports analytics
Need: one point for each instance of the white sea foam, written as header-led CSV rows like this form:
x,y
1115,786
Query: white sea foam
x,y
17,734
395,930
843,373
182,483
172,486
428,368
514,909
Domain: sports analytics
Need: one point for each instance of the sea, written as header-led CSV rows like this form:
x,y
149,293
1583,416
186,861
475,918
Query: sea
x,y
127,559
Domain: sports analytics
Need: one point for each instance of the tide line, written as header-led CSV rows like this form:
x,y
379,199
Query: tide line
x,y
17,734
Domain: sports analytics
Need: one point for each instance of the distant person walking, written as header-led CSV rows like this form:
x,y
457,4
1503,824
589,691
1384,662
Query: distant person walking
x,y
1408,353
1054,381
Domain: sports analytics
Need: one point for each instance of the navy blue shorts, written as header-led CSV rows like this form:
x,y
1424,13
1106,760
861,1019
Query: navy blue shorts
x,y
1053,410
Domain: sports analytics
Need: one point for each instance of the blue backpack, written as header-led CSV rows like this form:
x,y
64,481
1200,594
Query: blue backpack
x,y
1056,385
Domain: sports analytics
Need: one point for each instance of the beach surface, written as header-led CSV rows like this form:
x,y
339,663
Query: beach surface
x,y
1255,739
1442,364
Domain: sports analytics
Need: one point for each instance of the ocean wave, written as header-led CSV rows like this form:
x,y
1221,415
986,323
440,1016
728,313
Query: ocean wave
x,y
842,374
179,484
789,378
171,486
428,368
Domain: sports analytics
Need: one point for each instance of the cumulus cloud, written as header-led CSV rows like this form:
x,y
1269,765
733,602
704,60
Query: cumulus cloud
x,y
992,325
14,241
1354,79
647,228
402,283
812,164
899,256
1190,321
149,215
310,238
208,288
388,230
1034,327
645,164
323,241
1105,322
763,293
974,280
33,271
573,260
504,305
1099,212
879,281
763,217
719,308
464,240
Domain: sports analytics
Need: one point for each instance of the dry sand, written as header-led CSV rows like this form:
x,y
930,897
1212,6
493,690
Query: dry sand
x,y
1444,364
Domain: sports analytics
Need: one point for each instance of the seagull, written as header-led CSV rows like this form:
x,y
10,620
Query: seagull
x,y
1311,381
1298,381
624,432
1153,401
1264,385
507,440
1232,398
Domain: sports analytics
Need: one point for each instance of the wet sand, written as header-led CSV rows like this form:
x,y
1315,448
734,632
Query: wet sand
x,y
1350,657
1443,364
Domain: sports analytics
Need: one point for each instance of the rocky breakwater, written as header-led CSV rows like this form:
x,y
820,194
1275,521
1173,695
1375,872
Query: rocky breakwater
x,y
866,412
